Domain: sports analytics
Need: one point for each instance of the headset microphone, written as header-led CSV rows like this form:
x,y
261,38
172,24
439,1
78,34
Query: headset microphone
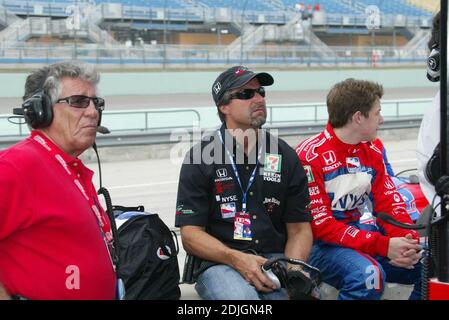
x,y
103,130
18,111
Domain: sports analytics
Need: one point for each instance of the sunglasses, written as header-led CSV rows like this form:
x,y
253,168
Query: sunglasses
x,y
79,101
246,94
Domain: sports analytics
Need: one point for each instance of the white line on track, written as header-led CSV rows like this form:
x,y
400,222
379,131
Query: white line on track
x,y
143,185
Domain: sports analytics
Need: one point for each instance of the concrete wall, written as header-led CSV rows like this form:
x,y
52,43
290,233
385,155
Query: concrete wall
x,y
165,151
148,83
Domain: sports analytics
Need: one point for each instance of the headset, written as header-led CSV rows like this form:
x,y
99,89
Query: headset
x,y
37,110
433,64
298,285
433,171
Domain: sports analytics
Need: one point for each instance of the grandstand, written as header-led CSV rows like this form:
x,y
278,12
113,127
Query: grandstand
x,y
192,32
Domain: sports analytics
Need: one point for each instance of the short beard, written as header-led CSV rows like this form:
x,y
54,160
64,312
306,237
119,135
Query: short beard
x,y
257,122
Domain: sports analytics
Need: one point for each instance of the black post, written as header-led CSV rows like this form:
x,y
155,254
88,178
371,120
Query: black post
x,y
442,230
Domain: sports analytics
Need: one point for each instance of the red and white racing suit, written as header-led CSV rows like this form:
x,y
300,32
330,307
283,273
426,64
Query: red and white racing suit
x,y
341,178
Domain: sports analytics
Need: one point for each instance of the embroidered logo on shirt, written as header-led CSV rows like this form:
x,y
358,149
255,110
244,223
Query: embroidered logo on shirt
x,y
161,254
353,164
329,157
273,162
309,174
227,210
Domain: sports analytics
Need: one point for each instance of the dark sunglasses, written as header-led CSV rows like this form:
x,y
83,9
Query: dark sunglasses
x,y
79,101
246,94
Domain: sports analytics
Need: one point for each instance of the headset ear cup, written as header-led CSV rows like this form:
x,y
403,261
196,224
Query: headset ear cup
x,y
432,171
48,110
38,110
433,65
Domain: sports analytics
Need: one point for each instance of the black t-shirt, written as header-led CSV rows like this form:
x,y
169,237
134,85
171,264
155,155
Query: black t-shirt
x,y
209,194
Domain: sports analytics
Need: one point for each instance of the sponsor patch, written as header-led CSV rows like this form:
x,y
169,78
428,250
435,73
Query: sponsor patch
x,y
272,177
271,204
227,210
313,191
332,167
316,201
161,253
273,162
309,174
353,231
389,184
222,173
180,210
219,187
353,164
229,198
329,157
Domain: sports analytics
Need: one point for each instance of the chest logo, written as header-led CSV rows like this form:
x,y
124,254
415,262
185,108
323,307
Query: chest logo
x,y
329,157
273,162
222,173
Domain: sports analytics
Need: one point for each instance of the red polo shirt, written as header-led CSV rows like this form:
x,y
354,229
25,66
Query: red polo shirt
x,y
51,246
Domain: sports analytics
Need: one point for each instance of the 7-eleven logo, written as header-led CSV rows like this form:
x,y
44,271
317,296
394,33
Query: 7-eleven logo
x,y
309,174
273,162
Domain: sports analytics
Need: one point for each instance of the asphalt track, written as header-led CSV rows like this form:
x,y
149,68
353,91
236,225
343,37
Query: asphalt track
x,y
190,100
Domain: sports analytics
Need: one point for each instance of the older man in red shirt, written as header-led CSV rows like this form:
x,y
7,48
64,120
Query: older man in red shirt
x,y
55,238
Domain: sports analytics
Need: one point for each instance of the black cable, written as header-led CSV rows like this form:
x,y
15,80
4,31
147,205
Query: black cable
x,y
110,212
404,171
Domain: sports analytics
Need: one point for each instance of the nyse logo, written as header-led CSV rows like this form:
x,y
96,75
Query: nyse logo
x,y
329,157
221,173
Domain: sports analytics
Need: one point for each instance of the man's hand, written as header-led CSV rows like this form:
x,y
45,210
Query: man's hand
x,y
3,294
249,266
404,252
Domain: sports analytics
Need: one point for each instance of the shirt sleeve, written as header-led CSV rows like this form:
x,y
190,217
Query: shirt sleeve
x,y
297,199
193,205
388,200
13,204
326,228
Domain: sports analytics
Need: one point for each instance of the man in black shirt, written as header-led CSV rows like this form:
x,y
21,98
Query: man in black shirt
x,y
242,196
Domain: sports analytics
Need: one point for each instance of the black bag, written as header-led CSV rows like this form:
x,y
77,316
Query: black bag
x,y
148,262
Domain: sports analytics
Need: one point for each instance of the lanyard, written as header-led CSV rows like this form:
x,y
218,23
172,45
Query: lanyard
x,y
105,229
236,172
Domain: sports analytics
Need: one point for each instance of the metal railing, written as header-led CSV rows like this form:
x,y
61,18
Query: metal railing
x,y
294,115
206,55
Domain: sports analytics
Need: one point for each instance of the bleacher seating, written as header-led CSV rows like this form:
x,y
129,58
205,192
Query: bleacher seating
x,y
339,7
147,3
250,5
328,6
429,5
395,7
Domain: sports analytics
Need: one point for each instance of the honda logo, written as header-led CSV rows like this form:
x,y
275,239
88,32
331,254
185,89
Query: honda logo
x,y
222,173
329,157
389,184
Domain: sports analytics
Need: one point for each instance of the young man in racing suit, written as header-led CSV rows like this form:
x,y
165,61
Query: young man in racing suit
x,y
345,171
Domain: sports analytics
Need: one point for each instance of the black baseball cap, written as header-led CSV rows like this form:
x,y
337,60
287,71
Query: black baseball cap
x,y
236,77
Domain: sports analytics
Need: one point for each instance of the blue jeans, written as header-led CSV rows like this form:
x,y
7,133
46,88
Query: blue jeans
x,y
221,282
358,275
